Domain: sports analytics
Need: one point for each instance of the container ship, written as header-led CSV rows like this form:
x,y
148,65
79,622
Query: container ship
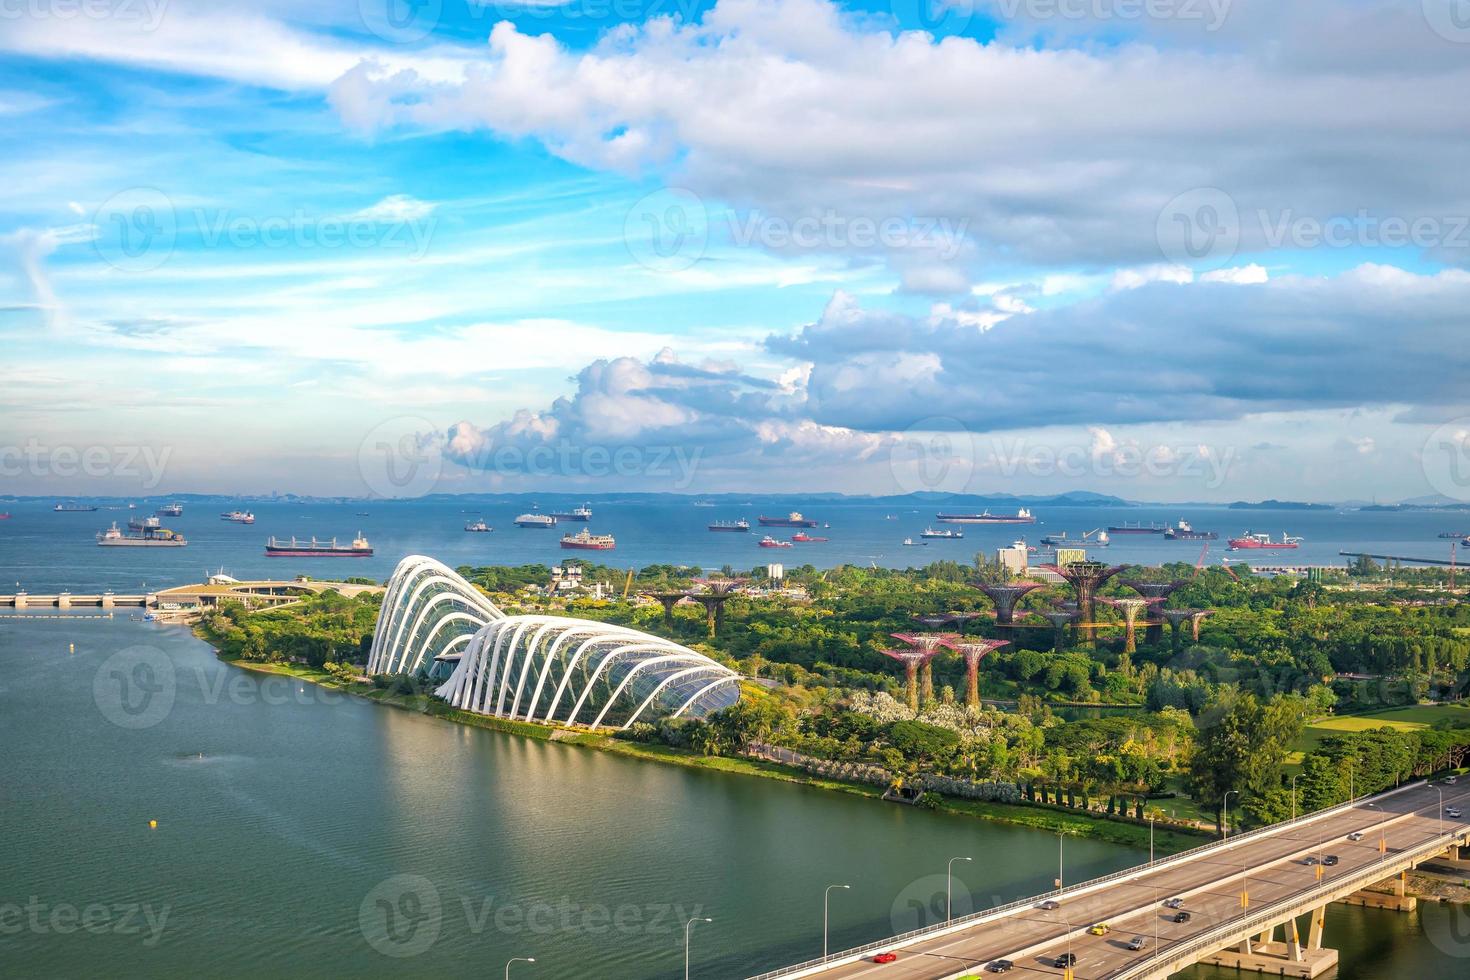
x,y
1137,527
583,513
74,508
479,527
739,526
1181,531
1253,541
585,540
238,517
159,538
793,519
1022,516
171,510
770,542
535,520
930,532
359,548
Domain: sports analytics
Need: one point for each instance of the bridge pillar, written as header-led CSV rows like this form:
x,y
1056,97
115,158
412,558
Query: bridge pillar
x,y
1319,922
107,600
63,602
20,602
1275,959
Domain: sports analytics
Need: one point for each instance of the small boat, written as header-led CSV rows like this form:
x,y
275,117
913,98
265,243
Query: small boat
x,y
911,543
5,516
478,526
535,520
363,513
238,517
804,538
770,542
930,532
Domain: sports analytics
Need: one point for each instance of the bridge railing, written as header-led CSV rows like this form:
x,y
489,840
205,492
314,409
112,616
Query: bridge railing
x,y
1248,923
964,922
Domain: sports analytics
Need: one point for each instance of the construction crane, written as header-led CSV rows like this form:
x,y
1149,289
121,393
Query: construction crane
x,y
627,584
1200,563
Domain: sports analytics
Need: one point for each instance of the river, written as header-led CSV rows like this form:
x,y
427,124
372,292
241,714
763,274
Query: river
x,y
304,833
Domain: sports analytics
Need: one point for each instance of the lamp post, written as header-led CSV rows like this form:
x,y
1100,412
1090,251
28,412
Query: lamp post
x,y
1441,809
518,959
1150,840
1067,973
687,927
1059,861
825,896
1294,778
1225,813
1382,830
948,888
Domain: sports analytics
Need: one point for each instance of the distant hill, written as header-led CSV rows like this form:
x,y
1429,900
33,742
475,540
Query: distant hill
x,y
1278,505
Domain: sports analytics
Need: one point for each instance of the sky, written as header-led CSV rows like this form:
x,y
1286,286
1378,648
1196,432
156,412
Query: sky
x,y
1166,249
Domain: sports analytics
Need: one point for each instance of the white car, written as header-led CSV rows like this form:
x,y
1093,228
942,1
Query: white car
x,y
1355,835
1452,811
1451,780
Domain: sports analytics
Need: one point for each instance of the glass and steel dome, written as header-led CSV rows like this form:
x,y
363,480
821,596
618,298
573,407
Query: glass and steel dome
x,y
550,669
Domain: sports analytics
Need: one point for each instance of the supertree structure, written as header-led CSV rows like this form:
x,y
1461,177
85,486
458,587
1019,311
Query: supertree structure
x,y
668,600
1178,617
717,593
1006,596
1059,618
928,644
1086,577
1131,607
911,660
1155,590
939,620
975,651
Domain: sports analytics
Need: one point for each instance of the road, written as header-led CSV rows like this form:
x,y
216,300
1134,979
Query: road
x,y
1210,885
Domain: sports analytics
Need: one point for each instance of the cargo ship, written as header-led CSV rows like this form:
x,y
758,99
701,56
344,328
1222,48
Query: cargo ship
x,y
1089,539
1181,531
159,538
144,523
359,548
1138,527
740,525
583,513
1022,516
801,537
171,510
793,519
535,520
238,517
74,508
770,542
585,540
1253,541
478,526
930,532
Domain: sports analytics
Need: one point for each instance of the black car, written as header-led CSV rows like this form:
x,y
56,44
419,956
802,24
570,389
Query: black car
x,y
1309,860
1181,916
1049,906
1064,961
1001,966
1330,860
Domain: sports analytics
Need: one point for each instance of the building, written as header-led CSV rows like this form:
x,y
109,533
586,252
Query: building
x,y
1070,556
1013,559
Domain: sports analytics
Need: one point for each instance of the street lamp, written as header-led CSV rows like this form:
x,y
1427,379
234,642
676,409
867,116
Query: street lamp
x,y
688,926
948,888
1225,814
1150,840
1293,794
518,959
1441,809
1067,973
1382,830
1060,876
825,896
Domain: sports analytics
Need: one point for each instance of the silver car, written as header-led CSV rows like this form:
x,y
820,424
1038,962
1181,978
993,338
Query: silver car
x,y
1137,943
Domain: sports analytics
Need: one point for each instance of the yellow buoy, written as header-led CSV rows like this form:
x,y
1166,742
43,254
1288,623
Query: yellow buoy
x,y
153,825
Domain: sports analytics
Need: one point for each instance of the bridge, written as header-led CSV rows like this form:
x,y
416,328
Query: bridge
x,y
1245,896
219,589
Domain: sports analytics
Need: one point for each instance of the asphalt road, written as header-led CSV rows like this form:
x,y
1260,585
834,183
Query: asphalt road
x,y
1209,884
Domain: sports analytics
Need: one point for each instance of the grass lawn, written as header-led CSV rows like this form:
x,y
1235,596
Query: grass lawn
x,y
1410,718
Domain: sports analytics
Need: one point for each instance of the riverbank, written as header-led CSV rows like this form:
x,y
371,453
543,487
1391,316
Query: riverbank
x,y
1052,820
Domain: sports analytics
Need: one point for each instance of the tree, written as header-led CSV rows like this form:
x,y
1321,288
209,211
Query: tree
x,y
1241,746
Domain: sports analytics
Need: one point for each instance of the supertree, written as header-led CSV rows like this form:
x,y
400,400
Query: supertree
x,y
717,593
1130,608
1006,596
939,620
974,651
1155,590
668,600
1059,618
1178,617
1086,577
928,644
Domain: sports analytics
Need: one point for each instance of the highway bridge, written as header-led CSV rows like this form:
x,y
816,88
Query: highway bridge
x,y
1244,896
218,589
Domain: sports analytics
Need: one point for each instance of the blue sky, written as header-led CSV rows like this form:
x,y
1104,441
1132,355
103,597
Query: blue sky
x,y
1190,249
